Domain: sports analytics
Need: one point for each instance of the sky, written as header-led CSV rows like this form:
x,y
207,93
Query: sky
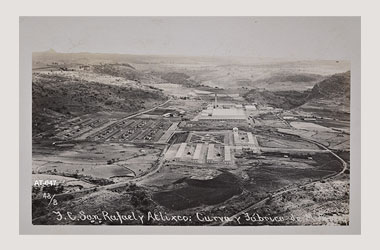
x,y
333,38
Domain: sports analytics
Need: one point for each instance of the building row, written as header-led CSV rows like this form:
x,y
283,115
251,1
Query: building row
x,y
187,152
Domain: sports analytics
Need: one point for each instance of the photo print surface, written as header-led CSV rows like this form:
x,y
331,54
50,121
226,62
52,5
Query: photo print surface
x,y
193,121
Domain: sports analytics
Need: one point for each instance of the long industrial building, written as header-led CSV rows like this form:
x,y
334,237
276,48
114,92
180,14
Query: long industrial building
x,y
210,153
166,136
227,154
180,151
235,132
197,152
223,114
250,138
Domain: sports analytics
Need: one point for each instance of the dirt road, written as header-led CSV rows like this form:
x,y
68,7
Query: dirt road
x,y
260,203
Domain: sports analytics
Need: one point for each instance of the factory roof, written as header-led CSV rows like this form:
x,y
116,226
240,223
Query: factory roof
x,y
250,138
226,114
227,153
197,152
210,152
252,107
236,138
180,150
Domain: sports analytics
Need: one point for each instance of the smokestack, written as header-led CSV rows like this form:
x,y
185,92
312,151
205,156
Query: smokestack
x,y
216,101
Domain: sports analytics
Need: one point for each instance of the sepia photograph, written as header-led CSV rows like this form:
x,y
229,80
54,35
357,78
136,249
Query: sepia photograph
x,y
190,121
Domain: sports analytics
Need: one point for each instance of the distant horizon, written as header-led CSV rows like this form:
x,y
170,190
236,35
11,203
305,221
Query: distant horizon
x,y
281,59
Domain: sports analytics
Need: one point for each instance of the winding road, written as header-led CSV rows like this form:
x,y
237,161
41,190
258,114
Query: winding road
x,y
121,184
262,202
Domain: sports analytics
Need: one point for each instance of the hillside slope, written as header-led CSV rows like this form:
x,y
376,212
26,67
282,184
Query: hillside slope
x,y
58,96
278,99
330,98
124,70
335,88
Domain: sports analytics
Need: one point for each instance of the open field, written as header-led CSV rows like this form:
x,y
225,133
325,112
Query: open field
x,y
274,142
99,161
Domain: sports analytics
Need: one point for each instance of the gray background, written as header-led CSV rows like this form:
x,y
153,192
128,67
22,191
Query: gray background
x,y
335,38
280,37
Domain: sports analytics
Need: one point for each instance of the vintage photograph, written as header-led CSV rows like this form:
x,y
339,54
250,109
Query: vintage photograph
x,y
194,121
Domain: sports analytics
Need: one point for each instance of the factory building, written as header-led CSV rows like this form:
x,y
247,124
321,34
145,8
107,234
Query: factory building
x,y
292,118
210,153
223,112
216,101
250,107
251,140
235,132
180,151
253,143
197,152
247,142
227,154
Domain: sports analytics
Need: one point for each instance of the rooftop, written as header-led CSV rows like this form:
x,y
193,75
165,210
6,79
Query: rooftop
x,y
210,152
181,150
223,114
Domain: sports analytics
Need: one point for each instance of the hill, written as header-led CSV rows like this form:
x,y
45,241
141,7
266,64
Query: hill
x,y
278,99
123,70
335,88
62,96
289,77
